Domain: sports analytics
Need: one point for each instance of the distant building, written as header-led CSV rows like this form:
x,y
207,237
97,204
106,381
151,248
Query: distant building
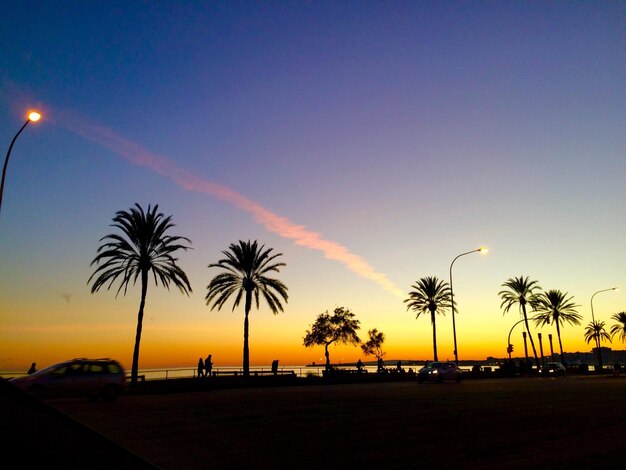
x,y
608,356
575,358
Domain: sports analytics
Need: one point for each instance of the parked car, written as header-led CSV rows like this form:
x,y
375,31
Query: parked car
x,y
438,372
553,369
90,378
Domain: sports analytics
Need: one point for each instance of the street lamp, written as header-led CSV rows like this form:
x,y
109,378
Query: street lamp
x,y
593,320
34,117
483,251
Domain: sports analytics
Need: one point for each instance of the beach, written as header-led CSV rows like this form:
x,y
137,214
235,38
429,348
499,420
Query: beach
x,y
571,422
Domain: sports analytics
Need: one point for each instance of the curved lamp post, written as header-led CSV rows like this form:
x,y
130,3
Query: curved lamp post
x,y
592,317
481,250
34,117
508,341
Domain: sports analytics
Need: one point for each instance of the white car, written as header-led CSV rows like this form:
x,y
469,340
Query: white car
x,y
438,372
91,378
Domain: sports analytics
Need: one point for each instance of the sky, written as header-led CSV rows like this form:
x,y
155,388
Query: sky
x,y
368,142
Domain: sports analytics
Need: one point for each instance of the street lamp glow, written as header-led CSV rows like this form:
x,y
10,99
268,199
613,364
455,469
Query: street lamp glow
x,y
33,116
483,250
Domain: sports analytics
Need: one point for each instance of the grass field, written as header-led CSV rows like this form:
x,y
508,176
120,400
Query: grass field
x,y
572,422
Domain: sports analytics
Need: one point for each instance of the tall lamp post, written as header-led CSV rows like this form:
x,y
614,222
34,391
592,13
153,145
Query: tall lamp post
x,y
34,117
593,320
603,290
481,250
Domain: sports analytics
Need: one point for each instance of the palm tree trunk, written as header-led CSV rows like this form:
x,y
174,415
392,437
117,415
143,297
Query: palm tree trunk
x,y
558,333
144,290
246,351
532,343
432,318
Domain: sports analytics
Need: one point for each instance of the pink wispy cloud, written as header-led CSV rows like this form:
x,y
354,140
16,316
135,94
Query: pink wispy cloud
x,y
274,223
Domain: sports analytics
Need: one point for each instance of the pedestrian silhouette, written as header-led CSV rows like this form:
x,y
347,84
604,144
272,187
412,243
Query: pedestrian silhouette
x,y
359,366
208,365
33,368
200,368
275,366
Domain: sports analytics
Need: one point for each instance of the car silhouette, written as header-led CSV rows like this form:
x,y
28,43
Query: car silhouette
x,y
90,378
553,369
439,371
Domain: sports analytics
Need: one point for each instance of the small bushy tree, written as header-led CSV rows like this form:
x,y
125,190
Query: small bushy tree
x,y
374,345
340,327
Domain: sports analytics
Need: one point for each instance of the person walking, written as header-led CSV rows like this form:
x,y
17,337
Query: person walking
x,y
208,366
200,368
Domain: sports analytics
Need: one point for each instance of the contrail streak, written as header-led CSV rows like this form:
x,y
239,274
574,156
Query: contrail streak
x,y
188,180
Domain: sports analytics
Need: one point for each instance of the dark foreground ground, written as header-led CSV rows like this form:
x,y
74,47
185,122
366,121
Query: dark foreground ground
x,y
572,422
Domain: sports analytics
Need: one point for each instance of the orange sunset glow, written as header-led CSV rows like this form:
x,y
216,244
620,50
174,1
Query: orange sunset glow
x,y
369,145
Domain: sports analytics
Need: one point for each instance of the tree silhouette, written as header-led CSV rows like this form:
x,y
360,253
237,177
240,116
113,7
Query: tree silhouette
x,y
595,332
374,345
521,291
141,249
340,327
620,327
553,307
245,268
430,295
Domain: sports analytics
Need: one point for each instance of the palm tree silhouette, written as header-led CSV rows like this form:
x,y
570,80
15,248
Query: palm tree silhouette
x,y
143,247
554,307
430,295
522,291
620,327
246,266
595,332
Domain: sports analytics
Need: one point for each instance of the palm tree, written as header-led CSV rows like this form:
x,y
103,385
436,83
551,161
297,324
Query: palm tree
x,y
143,247
554,307
246,266
620,327
430,295
522,291
595,332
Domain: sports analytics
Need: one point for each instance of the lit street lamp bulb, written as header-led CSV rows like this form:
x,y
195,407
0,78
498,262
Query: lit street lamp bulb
x,y
34,116
483,250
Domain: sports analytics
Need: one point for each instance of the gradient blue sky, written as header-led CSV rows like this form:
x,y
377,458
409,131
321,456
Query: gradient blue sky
x,y
406,132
